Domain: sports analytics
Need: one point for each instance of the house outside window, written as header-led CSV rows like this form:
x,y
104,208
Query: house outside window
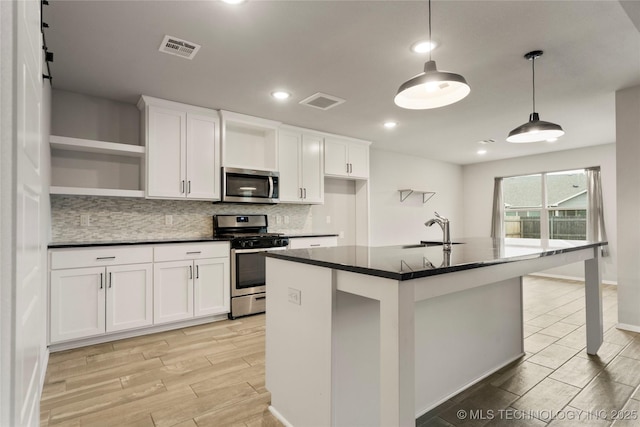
x,y
546,205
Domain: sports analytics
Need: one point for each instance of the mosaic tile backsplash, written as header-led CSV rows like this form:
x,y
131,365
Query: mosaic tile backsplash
x,y
140,219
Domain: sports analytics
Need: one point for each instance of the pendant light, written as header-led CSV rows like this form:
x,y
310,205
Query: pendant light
x,y
432,88
534,130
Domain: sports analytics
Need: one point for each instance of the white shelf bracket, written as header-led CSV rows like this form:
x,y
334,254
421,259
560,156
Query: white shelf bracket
x,y
426,195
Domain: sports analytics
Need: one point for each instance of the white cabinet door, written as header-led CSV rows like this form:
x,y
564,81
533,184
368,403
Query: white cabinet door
x,y
289,143
312,171
129,296
77,303
335,157
211,287
203,166
172,291
166,151
358,161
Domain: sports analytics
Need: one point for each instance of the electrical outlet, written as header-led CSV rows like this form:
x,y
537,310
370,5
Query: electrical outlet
x,y
168,220
295,296
84,220
286,219
328,219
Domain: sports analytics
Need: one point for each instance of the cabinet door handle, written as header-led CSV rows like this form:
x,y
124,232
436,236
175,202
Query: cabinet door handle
x,y
350,167
305,193
197,271
190,272
103,258
189,187
347,167
194,252
101,277
182,187
110,280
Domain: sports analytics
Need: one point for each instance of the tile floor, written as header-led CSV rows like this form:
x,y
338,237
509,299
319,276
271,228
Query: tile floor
x,y
556,383
213,375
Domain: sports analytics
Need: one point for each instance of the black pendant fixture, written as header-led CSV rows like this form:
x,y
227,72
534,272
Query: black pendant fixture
x,y
535,130
432,88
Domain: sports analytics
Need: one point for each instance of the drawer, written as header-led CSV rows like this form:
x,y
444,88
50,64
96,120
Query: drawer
x,y
186,251
99,256
312,242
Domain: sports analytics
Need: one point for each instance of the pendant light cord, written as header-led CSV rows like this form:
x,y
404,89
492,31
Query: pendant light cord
x,y
430,41
533,71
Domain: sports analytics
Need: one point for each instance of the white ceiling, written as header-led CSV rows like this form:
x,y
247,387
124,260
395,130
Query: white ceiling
x,y
359,51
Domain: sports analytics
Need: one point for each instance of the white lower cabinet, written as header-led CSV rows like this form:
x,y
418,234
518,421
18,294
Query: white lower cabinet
x,y
92,301
192,287
101,290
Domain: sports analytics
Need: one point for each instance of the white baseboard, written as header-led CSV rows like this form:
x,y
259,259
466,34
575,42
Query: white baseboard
x,y
627,327
279,416
575,278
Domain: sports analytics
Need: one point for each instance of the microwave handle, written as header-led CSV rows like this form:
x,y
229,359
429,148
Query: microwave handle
x,y
270,187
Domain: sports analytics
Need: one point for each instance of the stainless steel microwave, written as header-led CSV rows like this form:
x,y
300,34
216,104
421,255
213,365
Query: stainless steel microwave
x,y
249,186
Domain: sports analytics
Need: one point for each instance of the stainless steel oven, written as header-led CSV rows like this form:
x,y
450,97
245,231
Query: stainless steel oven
x,y
249,240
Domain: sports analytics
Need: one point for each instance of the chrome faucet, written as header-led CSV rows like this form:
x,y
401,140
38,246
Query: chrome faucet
x,y
444,224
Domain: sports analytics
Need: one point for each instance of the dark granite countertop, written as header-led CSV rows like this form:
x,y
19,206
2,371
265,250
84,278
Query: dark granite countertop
x,y
59,245
293,236
407,262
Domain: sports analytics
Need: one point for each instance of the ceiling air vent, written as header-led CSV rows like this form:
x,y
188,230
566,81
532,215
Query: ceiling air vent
x,y
175,46
322,101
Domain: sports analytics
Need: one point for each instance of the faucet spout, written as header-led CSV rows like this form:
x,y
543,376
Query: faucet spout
x,y
444,224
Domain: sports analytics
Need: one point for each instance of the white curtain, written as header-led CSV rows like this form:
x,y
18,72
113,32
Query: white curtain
x,y
596,231
497,219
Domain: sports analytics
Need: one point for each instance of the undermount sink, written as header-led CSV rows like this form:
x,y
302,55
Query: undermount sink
x,y
426,243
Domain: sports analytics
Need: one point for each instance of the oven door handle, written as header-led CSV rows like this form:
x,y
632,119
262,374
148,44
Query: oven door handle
x,y
250,251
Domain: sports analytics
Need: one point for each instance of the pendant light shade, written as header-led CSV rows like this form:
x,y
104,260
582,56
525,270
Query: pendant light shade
x,y
535,130
432,88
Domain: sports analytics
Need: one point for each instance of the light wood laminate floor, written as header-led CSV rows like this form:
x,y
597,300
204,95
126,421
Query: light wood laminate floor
x,y
213,375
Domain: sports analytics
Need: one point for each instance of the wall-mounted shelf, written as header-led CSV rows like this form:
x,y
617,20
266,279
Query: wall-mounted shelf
x,y
426,195
86,167
100,147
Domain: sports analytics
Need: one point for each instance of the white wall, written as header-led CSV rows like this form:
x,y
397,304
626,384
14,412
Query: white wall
x,y
478,193
340,208
394,222
628,197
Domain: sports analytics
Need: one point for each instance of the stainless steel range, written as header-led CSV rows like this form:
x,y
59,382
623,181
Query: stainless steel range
x,y
249,238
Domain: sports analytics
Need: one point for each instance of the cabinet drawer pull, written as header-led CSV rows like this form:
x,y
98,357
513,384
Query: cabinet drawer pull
x,y
101,277
102,258
194,252
259,298
315,244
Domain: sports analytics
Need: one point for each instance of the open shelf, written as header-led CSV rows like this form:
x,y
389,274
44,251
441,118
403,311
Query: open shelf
x,y
100,147
404,193
85,167
107,192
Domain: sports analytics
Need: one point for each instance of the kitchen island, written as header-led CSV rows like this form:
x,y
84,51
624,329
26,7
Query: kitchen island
x,y
380,335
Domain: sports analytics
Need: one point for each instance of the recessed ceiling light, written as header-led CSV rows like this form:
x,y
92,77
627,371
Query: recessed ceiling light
x,y
234,1
280,94
482,152
390,125
423,46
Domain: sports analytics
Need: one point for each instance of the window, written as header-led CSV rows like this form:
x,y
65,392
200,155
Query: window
x,y
546,205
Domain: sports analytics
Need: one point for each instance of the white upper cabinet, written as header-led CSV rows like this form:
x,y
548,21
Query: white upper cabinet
x,y
300,159
346,158
249,142
183,147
